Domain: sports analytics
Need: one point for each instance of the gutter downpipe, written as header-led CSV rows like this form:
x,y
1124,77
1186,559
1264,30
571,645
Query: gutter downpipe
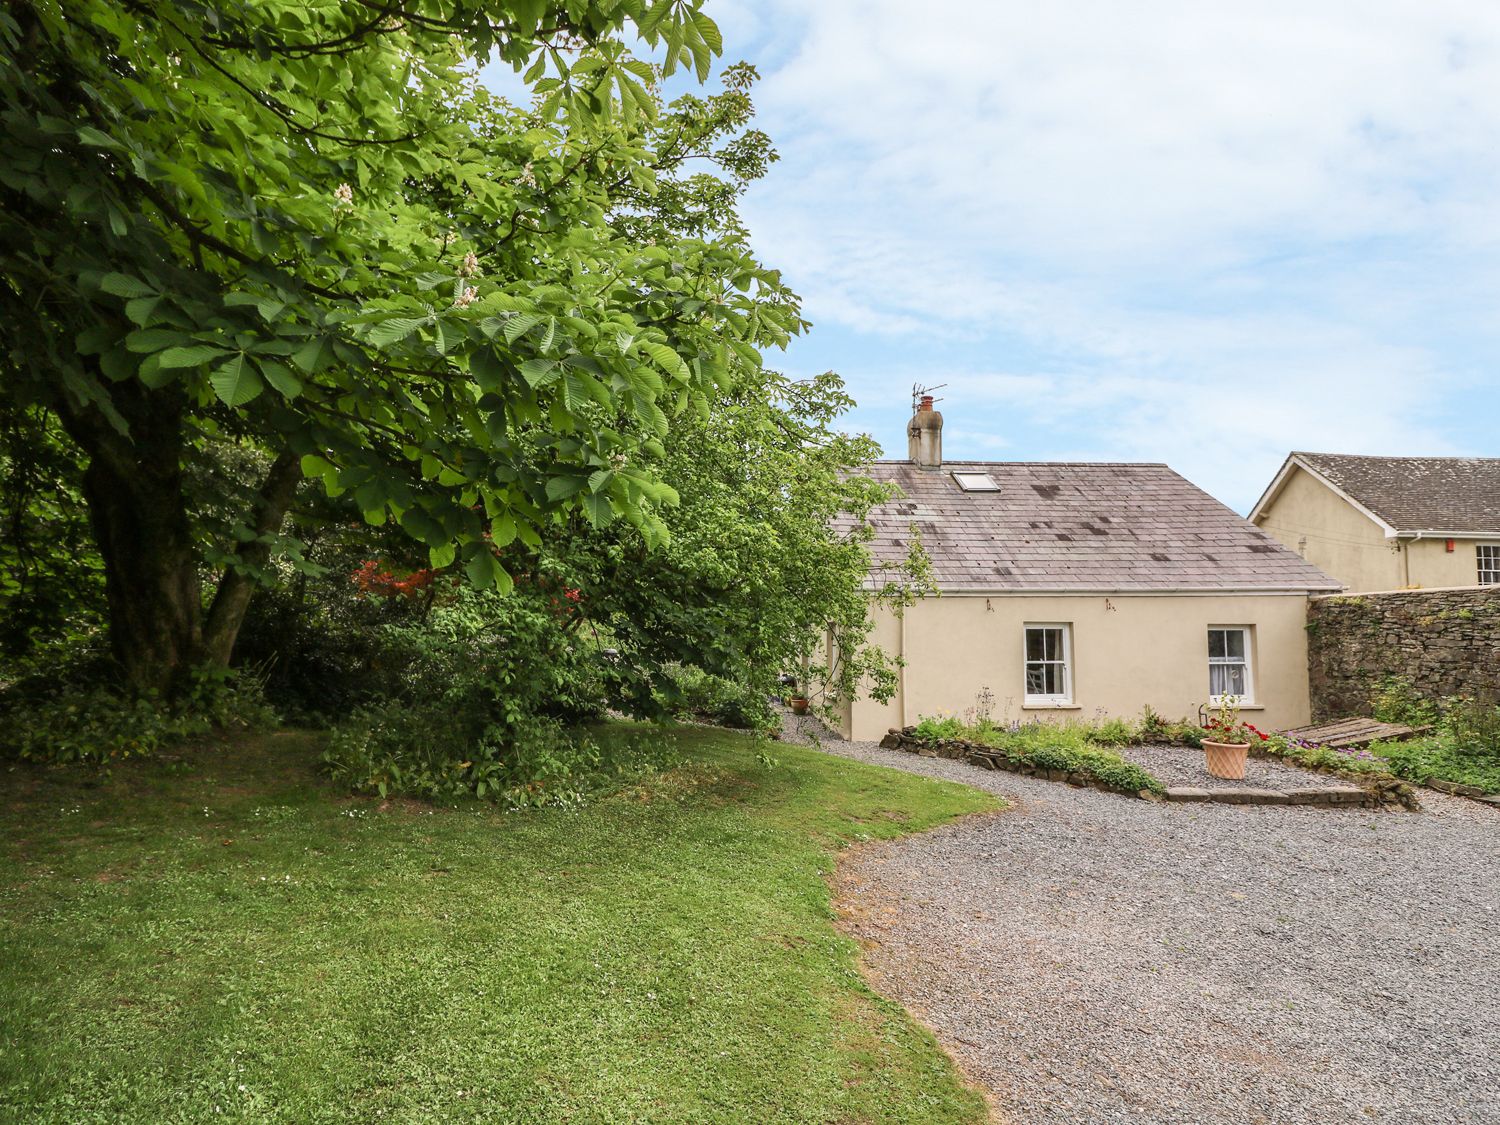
x,y
901,654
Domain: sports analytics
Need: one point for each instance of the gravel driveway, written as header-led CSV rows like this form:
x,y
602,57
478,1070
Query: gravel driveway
x,y
1088,957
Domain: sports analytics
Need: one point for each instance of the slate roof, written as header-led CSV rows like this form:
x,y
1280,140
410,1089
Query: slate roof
x,y
1418,493
1073,526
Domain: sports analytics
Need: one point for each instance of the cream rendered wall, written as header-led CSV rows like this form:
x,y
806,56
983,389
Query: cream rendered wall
x,y
1433,566
1344,543
1128,650
1337,538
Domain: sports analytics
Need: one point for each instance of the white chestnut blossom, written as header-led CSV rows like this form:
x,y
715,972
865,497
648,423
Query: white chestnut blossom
x,y
470,266
467,297
343,196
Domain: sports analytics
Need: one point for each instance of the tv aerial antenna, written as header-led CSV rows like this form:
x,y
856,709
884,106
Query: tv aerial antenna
x,y
919,392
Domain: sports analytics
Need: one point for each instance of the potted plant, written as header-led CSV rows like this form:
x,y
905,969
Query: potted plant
x,y
796,698
1227,739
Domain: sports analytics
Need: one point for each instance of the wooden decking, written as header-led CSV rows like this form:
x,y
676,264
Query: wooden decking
x,y
1354,732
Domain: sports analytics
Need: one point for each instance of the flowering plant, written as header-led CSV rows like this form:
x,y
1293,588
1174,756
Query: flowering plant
x,y
1225,724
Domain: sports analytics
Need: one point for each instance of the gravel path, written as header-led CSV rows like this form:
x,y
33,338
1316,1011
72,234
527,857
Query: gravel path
x,y
1183,765
1091,958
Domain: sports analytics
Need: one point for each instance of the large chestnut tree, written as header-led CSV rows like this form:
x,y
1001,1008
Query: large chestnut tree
x,y
306,231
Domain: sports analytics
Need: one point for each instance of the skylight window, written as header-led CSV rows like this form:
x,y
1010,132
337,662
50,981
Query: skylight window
x,y
976,482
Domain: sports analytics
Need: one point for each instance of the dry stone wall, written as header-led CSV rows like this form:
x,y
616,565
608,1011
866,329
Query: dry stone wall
x,y
1444,642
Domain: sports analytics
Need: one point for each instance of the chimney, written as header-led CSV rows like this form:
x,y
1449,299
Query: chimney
x,y
924,436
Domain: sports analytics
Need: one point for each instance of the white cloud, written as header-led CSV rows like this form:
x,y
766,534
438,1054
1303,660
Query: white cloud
x,y
1203,234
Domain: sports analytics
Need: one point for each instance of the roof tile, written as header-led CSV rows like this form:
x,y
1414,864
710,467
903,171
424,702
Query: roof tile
x,y
1105,527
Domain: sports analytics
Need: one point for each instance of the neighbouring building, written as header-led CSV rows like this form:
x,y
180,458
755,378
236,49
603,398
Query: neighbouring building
x,y
1082,590
1389,523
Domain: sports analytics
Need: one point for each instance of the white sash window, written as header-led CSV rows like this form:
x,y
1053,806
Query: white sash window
x,y
1049,677
1229,663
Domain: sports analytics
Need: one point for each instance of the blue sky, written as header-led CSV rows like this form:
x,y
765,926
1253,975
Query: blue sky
x,y
1198,234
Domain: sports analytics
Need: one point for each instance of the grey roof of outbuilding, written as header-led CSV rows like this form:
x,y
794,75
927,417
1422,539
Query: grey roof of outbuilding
x,y
1075,526
1418,493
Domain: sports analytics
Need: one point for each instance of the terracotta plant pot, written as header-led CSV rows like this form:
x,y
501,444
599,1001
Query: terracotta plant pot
x,y
799,704
1226,759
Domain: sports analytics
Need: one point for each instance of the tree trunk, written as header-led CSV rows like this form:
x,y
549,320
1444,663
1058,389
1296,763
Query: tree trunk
x,y
139,514
227,613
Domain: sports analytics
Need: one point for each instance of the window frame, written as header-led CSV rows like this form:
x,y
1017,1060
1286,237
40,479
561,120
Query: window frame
x,y
1065,628
1487,566
1247,661
975,480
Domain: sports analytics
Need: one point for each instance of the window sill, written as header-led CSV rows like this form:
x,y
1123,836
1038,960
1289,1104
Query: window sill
x,y
1212,706
1052,707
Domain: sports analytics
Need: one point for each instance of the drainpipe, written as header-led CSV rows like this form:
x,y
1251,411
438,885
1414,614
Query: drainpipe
x,y
901,671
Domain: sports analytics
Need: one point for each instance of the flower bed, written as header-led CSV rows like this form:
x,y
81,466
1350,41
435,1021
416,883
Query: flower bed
x,y
1076,764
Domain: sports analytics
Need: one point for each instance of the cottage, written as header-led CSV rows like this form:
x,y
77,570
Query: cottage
x,y
1389,523
1081,590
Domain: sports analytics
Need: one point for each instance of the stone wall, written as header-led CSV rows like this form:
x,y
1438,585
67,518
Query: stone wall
x,y
1445,642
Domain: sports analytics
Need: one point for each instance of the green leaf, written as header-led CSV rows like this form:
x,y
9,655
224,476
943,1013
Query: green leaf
x,y
280,376
443,555
235,381
395,329
123,285
502,531
560,488
519,324
142,310
269,308
152,373
482,568
667,359
191,356
538,371
599,510
91,136
155,339
487,369
709,32
314,355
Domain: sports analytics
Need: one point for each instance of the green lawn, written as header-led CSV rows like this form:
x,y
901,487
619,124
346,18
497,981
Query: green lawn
x,y
230,938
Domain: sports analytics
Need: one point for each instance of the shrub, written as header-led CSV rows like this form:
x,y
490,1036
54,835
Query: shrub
x,y
690,692
1091,761
1115,732
934,728
1422,760
433,754
1396,700
1473,726
1074,747
102,725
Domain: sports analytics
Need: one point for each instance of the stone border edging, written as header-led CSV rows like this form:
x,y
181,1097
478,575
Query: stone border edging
x,y
1328,796
993,758
1376,793
1391,790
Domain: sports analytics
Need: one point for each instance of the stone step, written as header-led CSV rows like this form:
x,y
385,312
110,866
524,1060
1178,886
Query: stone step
x,y
1321,795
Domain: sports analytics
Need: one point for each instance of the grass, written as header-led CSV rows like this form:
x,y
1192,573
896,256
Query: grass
x,y
230,938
